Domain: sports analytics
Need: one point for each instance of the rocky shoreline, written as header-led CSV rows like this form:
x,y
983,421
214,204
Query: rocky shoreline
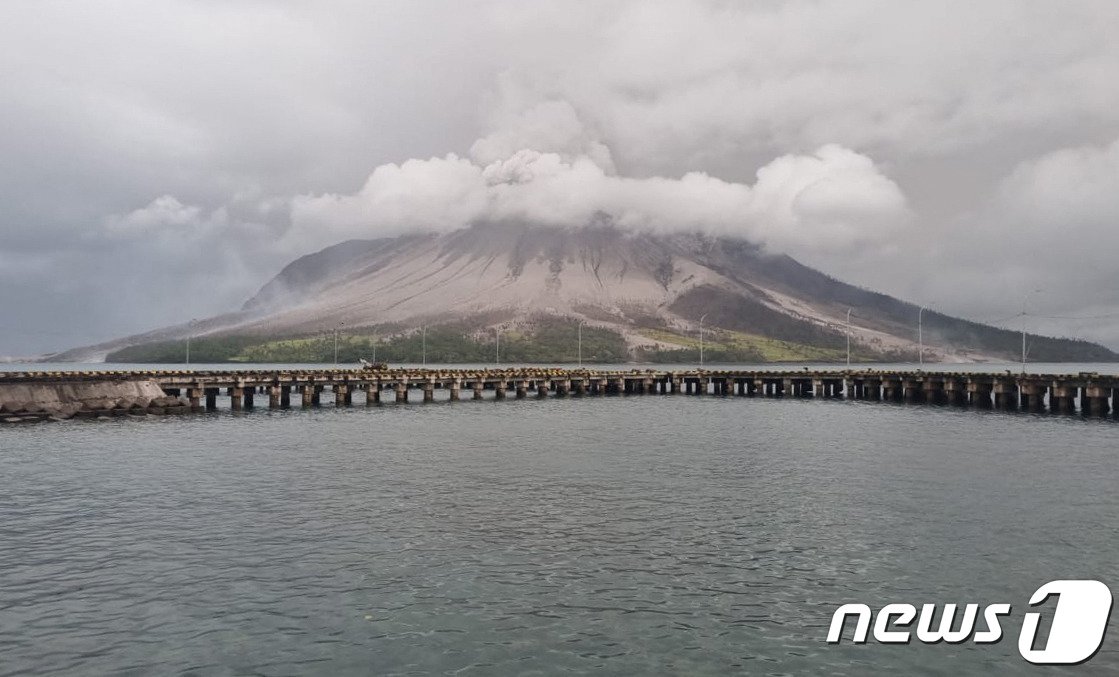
x,y
62,401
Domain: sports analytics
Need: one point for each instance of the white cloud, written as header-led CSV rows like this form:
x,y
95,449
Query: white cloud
x,y
1050,224
834,199
164,212
990,125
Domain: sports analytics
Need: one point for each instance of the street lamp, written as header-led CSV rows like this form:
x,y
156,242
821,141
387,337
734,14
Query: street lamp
x,y
701,319
1024,299
190,330
579,333
336,330
920,337
423,344
497,345
848,338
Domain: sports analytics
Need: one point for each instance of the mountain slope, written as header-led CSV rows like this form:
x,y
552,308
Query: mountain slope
x,y
654,290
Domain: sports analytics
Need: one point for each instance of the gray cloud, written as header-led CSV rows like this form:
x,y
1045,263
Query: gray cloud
x,y
158,163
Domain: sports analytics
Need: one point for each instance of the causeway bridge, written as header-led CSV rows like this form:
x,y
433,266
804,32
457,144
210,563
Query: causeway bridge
x,y
185,391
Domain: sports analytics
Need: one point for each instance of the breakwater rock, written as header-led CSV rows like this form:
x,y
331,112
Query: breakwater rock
x,y
22,403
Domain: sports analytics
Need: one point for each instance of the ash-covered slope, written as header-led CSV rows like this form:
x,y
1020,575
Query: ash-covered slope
x,y
652,289
501,273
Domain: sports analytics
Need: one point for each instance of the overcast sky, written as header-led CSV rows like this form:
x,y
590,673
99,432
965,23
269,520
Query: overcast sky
x,y
161,160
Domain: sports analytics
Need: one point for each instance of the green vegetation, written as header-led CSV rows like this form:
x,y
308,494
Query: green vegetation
x,y
549,341
202,350
733,346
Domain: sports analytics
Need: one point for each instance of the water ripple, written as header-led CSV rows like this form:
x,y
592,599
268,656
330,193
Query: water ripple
x,y
619,536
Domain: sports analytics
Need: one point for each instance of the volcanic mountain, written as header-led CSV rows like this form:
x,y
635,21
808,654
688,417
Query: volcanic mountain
x,y
653,290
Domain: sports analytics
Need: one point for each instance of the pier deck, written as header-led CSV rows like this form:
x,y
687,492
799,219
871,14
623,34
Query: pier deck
x,y
195,391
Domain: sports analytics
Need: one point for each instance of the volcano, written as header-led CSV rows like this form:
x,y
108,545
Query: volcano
x,y
653,290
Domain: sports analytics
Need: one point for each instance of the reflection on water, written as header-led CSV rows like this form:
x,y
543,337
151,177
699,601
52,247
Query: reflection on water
x,y
623,535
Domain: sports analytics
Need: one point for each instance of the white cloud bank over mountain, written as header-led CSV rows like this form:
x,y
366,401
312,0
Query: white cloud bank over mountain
x,y
834,199
954,153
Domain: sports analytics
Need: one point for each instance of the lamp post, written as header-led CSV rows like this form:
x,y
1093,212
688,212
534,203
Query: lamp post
x,y
190,330
423,344
920,337
848,338
374,347
701,319
336,330
579,350
497,345
1024,299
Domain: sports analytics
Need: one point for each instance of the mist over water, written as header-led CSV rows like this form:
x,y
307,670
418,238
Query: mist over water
x,y
617,535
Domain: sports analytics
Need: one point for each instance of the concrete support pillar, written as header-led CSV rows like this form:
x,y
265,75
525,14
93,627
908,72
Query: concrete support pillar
x,y
911,390
1033,396
401,391
478,386
372,393
274,397
308,396
1096,400
563,386
581,386
1062,398
237,398
932,391
674,385
954,393
340,391
499,389
542,387
1006,393
429,390
979,394
522,389
194,395
456,389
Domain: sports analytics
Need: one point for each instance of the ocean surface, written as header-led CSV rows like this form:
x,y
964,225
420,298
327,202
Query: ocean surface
x,y
637,535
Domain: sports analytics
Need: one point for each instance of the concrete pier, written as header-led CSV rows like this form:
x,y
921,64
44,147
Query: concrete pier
x,y
1087,394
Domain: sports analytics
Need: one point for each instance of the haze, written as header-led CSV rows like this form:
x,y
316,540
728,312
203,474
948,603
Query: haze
x,y
161,161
